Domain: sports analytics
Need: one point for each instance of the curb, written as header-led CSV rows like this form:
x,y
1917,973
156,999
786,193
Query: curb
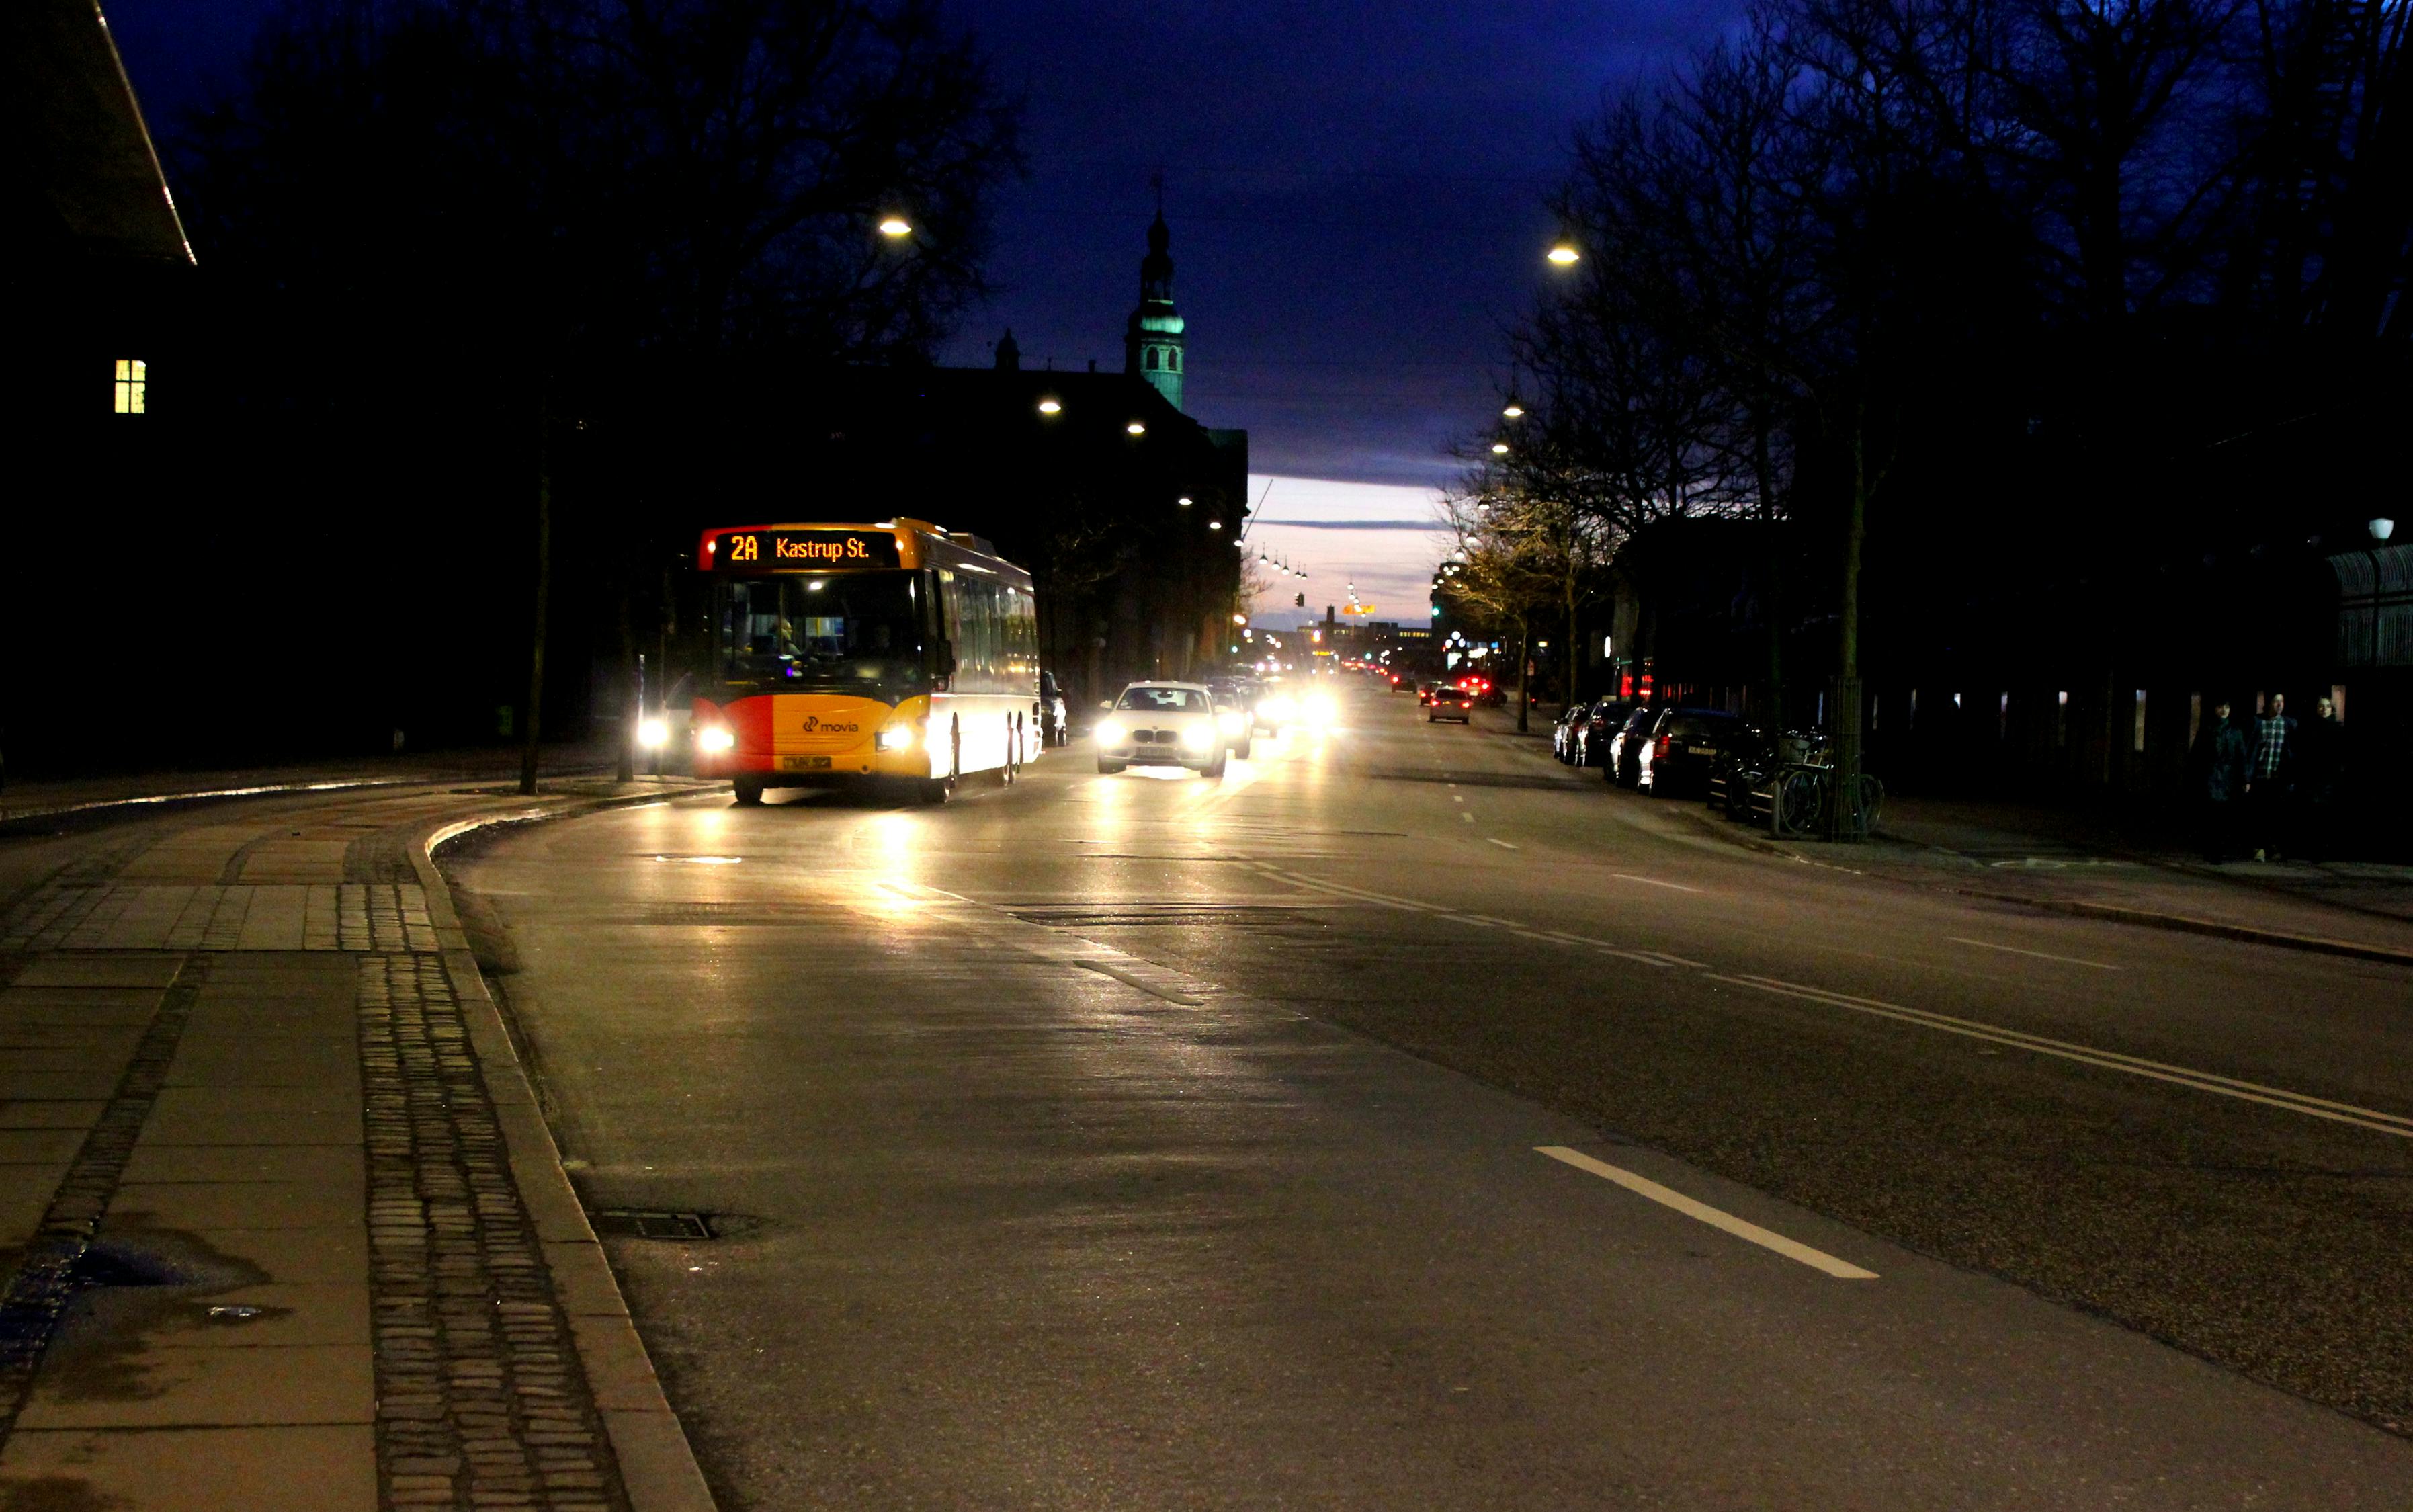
x,y
2184,924
657,1466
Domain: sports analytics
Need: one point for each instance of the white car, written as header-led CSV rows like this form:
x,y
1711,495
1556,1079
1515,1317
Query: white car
x,y
1167,724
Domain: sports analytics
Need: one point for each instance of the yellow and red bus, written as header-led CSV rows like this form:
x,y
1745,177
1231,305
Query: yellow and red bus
x,y
864,653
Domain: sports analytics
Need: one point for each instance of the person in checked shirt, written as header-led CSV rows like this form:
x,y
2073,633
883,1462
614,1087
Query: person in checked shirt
x,y
2266,778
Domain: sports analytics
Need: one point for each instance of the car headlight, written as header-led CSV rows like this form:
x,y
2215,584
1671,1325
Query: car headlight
x,y
653,734
716,738
1320,711
1111,733
1276,709
894,736
1232,722
1198,738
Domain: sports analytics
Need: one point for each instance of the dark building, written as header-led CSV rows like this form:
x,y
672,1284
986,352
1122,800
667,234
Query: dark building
x,y
93,381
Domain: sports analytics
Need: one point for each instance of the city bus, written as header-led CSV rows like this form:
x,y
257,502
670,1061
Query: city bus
x,y
897,653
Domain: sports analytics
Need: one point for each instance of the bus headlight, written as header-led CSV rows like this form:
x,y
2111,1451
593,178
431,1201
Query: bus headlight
x,y
1111,733
653,735
894,736
716,738
1199,736
1232,722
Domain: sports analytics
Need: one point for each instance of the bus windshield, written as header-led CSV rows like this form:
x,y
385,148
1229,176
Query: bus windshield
x,y
856,631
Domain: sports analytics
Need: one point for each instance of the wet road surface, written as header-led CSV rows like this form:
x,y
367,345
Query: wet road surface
x,y
1405,1121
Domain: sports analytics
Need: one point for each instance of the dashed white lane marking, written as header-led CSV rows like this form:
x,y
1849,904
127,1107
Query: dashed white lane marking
x,y
1502,844
1469,818
1652,882
2039,954
1715,1218
2202,1081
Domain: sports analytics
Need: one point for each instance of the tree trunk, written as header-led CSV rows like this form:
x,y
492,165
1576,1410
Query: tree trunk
x,y
632,691
543,592
1771,594
1847,681
1524,670
1571,648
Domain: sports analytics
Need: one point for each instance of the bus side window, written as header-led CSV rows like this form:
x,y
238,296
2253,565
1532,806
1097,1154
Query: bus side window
x,y
947,600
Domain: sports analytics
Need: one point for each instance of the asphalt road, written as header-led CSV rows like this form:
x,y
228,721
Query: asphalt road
x,y
1159,1142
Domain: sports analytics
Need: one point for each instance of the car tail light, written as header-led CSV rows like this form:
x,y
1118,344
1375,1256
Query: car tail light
x,y
1659,747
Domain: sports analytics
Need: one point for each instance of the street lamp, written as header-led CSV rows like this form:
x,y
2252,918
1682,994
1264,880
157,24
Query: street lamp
x,y
1183,501
1498,449
1050,407
2381,529
895,227
1514,411
1214,525
1135,428
1564,255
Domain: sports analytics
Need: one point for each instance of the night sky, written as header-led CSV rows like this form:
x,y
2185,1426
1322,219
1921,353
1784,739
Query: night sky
x,y
1354,192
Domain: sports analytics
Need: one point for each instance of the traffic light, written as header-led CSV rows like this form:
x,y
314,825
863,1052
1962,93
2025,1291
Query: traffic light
x,y
1300,599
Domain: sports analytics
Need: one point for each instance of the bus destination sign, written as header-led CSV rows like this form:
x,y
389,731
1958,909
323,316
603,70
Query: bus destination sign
x,y
804,551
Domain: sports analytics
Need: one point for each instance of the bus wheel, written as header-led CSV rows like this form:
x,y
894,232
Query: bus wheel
x,y
749,790
941,788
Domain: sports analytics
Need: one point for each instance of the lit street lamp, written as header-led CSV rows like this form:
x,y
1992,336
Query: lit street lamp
x,y
895,227
1050,407
1564,255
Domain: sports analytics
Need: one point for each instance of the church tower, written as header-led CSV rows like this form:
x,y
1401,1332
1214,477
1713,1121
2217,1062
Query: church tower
x,y
1153,340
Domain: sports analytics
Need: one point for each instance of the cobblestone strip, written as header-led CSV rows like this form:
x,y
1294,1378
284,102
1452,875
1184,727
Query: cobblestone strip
x,y
44,1280
481,1402
360,916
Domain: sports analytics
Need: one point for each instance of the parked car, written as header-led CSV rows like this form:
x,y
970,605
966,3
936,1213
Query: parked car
x,y
1601,723
1625,753
1562,743
1450,704
1682,747
1161,724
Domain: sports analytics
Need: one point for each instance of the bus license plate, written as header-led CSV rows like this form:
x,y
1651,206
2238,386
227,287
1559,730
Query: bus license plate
x,y
803,764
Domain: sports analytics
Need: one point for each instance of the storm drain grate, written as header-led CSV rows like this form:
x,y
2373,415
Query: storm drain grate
x,y
651,1224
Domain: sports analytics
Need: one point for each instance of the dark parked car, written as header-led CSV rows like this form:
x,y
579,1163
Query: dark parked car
x,y
1682,747
1448,702
1606,717
1623,761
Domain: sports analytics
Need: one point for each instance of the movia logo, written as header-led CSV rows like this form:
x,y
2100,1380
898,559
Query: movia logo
x,y
813,725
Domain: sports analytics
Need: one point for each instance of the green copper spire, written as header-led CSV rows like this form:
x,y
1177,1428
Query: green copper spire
x,y
1153,340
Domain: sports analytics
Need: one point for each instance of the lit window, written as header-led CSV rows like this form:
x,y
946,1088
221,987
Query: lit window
x,y
131,380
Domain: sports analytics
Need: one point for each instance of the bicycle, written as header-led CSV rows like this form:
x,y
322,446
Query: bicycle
x,y
1802,802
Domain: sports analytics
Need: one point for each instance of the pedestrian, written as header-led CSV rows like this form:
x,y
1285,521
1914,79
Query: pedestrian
x,y
2267,779
2318,763
2219,762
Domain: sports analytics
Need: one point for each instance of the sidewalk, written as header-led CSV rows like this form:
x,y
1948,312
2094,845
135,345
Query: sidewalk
x,y
280,1223
22,799
2075,863
2071,861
